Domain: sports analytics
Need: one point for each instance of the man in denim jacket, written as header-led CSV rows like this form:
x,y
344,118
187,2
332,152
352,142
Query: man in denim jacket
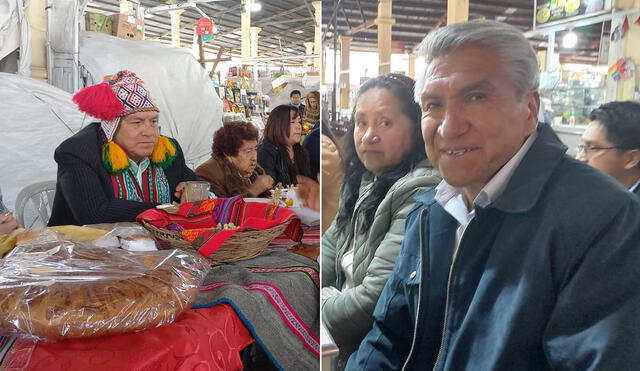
x,y
522,258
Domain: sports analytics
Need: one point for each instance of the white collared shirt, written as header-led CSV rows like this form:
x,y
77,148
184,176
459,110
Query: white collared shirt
x,y
635,186
138,169
453,201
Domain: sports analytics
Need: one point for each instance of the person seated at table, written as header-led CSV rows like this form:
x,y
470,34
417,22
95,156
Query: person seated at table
x,y
308,190
113,170
311,114
8,223
611,142
385,166
280,154
295,98
312,144
233,167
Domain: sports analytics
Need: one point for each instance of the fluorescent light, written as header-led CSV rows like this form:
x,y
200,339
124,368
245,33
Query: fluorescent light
x,y
510,11
299,31
570,40
500,18
252,7
273,46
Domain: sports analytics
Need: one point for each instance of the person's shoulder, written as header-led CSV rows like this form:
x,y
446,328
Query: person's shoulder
x,y
582,201
210,165
267,145
83,141
575,182
421,177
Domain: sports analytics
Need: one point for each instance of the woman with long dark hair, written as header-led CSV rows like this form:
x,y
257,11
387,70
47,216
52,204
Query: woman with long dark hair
x,y
385,166
280,154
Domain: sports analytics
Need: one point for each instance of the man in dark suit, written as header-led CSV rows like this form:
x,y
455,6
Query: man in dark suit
x,y
611,142
115,169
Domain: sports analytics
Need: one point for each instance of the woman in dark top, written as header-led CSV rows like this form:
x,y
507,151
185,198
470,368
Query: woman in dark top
x,y
280,154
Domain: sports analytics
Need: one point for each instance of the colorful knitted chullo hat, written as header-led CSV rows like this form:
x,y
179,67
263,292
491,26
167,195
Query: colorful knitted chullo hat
x,y
116,97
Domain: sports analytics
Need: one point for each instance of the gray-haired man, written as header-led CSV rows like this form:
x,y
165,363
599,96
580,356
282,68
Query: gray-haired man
x,y
522,258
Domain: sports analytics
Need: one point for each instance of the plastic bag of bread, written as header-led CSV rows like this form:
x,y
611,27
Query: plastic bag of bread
x,y
64,289
129,236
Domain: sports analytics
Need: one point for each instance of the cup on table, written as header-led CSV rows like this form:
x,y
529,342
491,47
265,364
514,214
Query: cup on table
x,y
195,191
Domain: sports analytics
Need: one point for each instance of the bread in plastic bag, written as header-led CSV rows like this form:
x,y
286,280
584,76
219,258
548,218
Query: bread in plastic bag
x,y
63,289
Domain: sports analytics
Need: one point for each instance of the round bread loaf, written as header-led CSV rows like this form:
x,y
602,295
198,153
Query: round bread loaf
x,y
70,307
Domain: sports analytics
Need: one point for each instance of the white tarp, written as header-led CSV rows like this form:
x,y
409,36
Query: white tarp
x,y
190,109
15,32
282,97
34,118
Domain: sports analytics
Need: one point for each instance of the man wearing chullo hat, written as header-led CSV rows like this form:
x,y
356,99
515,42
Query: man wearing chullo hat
x,y
113,170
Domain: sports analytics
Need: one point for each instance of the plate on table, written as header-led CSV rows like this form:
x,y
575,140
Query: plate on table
x,y
307,216
259,199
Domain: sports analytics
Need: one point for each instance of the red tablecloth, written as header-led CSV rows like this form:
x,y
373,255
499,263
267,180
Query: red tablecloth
x,y
200,340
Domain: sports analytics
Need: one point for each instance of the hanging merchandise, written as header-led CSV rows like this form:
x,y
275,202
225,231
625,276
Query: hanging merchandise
x,y
620,30
204,28
623,69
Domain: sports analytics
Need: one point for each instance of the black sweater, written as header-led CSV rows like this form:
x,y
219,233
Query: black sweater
x,y
84,192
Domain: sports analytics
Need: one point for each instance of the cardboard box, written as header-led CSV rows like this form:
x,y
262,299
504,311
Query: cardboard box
x,y
98,22
127,27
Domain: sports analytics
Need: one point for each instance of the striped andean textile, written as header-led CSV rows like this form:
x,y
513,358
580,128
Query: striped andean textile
x,y
197,221
277,297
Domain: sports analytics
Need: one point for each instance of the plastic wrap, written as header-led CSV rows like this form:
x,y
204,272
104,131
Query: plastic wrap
x,y
62,289
129,236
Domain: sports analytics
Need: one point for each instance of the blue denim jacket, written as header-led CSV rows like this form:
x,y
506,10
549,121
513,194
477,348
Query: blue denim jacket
x,y
546,277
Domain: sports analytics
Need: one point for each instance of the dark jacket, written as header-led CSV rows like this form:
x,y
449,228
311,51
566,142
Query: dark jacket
x,y
312,145
546,277
273,162
84,192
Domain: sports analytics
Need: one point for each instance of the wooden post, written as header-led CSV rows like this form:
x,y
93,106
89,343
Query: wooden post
x,y
201,51
215,64
384,21
457,11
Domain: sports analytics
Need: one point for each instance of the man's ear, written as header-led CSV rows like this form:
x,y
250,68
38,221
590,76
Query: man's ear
x,y
533,106
632,159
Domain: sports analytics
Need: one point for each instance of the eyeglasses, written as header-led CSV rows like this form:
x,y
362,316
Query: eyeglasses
x,y
589,150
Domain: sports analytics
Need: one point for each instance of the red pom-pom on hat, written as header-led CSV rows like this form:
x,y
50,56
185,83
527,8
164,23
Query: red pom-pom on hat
x,y
99,101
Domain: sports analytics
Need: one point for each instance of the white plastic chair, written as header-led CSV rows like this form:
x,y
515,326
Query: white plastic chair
x,y
34,202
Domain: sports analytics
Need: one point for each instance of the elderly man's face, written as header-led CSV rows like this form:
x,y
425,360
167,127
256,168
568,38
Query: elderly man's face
x,y
473,121
138,134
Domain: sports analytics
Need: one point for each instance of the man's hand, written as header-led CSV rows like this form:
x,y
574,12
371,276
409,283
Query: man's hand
x,y
308,191
180,191
8,223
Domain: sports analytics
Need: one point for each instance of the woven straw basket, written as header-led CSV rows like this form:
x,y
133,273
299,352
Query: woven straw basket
x,y
240,246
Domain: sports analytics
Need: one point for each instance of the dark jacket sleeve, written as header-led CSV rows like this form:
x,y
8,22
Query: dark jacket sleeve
x,y
179,171
387,345
312,145
603,287
268,160
86,196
